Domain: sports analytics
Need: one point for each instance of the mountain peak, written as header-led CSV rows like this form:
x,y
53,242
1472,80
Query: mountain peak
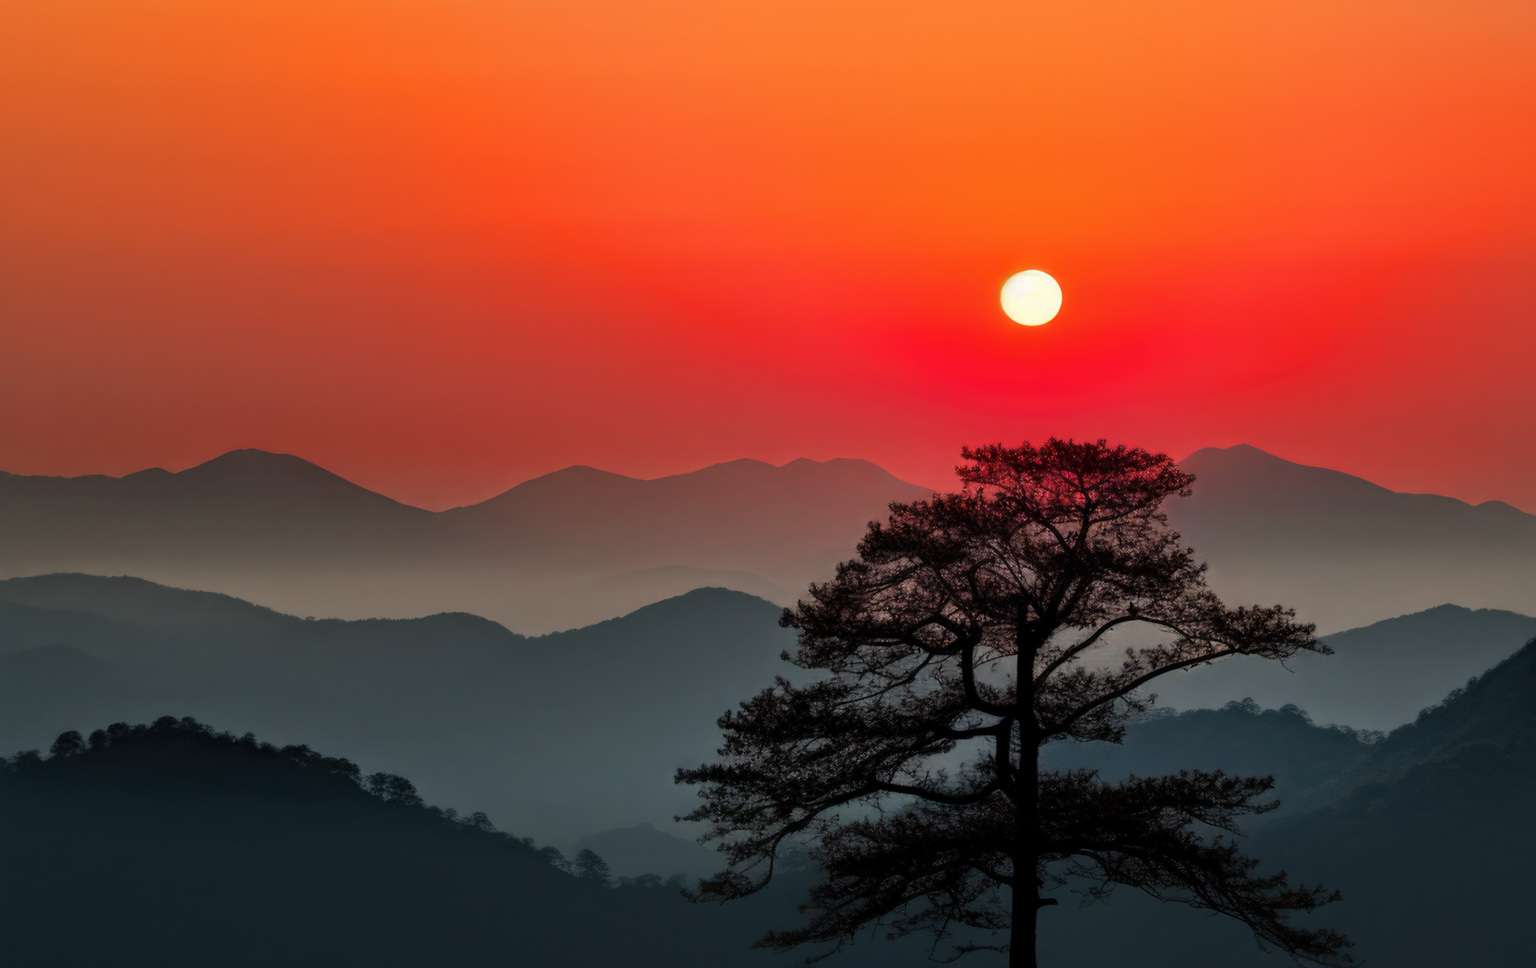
x,y
1237,455
1247,469
740,469
1244,450
267,474
249,460
577,479
740,462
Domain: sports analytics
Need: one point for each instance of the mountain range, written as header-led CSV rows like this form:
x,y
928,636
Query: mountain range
x,y
1378,677
572,547
1343,551
581,545
1426,832
570,732
560,735
167,845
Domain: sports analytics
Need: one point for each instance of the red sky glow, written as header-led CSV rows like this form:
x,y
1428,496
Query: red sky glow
x,y
442,247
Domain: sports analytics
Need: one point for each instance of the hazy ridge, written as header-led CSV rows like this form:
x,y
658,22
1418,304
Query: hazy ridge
x,y
1391,821
567,549
573,736
540,732
581,545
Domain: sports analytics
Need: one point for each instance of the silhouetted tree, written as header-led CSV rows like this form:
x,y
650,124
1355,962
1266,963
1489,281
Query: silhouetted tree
x,y
968,633
68,744
395,789
555,859
479,821
25,760
590,867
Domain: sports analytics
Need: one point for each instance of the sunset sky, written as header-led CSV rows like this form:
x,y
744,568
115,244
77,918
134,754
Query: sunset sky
x,y
442,246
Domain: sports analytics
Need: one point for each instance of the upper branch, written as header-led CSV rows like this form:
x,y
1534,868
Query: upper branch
x,y
1214,634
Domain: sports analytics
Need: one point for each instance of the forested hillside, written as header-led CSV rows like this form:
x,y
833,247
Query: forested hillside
x,y
172,845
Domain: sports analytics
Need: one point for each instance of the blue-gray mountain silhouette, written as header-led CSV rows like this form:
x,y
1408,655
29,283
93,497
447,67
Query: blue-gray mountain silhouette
x,y
558,736
569,548
1427,832
1378,678
188,849
645,849
539,732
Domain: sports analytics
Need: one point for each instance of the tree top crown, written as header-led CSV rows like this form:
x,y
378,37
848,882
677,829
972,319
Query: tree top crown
x,y
1065,478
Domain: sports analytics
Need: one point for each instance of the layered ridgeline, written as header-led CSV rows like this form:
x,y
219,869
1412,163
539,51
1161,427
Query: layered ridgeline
x,y
173,846
573,547
582,545
168,845
1377,678
558,736
1426,832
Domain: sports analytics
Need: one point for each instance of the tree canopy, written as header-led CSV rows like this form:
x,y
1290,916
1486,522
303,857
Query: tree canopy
x,y
588,866
972,629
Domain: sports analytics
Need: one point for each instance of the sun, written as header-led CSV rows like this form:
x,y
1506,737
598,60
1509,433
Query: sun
x,y
1031,298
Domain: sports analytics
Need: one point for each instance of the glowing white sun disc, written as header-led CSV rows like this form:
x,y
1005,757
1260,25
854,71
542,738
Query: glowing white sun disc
x,y
1031,298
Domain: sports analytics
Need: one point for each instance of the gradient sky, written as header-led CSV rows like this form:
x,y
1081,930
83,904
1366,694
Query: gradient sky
x,y
441,246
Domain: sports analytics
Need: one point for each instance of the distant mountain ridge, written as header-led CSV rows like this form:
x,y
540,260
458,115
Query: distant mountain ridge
x,y
1379,676
1343,551
558,551
731,515
581,544
1231,481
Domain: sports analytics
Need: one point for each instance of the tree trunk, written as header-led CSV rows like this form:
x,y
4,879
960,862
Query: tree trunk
x,y
1026,890
1026,901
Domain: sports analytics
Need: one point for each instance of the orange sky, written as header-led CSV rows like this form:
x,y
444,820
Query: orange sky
x,y
441,246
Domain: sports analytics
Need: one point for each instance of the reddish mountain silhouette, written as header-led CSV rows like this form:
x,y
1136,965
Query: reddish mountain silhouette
x,y
581,544
247,505
1343,551
744,514
575,546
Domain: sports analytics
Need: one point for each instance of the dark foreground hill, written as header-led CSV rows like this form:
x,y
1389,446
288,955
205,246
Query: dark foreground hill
x,y
173,846
1429,833
170,846
560,735
1439,829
